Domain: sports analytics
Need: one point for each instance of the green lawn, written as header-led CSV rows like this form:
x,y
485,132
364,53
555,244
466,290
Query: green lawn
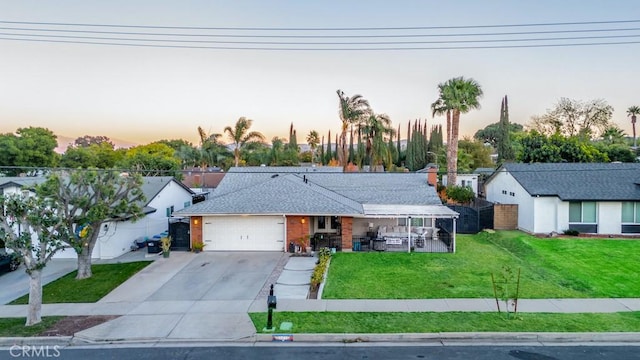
x,y
67,289
550,268
14,327
426,322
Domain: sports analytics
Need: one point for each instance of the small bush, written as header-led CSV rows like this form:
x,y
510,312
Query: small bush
x,y
318,272
460,194
571,232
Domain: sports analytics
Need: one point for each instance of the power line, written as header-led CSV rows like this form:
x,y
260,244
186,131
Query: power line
x,y
322,49
326,28
327,36
325,43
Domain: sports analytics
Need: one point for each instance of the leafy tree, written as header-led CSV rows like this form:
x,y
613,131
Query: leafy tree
x,y
36,147
435,139
352,111
175,144
9,152
257,154
322,162
539,148
491,133
328,156
479,154
313,139
153,159
616,152
241,137
88,140
457,96
575,118
293,139
87,199
24,216
633,112
101,156
211,151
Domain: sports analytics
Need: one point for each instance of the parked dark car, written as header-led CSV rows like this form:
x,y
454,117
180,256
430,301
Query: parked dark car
x,y
9,262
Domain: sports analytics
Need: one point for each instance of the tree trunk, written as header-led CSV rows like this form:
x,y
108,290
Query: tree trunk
x,y
35,298
633,125
84,264
342,154
452,150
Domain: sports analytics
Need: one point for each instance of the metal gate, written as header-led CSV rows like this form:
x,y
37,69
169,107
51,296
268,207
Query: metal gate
x,y
179,230
472,220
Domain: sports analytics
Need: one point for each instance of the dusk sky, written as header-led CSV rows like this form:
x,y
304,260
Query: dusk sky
x,y
141,94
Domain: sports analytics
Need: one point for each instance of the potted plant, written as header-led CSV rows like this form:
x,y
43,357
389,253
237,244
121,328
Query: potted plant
x,y
165,243
197,247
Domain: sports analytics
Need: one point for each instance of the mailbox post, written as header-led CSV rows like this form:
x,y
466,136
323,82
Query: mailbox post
x,y
272,302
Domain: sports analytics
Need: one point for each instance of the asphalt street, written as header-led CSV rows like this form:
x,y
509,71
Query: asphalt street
x,y
348,351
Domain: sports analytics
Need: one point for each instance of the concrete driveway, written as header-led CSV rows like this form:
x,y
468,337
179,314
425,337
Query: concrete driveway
x,y
189,296
219,276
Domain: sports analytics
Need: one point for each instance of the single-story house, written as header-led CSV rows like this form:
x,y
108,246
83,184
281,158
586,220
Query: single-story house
x,y
164,195
465,180
596,198
271,208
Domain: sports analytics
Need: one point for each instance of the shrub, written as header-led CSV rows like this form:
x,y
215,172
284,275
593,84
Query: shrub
x,y
460,194
571,232
318,272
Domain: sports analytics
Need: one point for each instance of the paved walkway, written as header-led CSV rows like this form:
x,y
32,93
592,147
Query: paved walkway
x,y
220,314
295,279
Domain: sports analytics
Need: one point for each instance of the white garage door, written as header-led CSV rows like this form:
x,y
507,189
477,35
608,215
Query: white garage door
x,y
243,233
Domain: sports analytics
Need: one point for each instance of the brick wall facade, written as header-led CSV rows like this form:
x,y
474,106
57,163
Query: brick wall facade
x,y
298,227
505,216
196,230
347,233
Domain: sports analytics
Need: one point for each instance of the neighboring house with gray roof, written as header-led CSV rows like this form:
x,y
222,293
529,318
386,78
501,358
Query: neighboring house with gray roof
x,y
267,208
599,198
163,194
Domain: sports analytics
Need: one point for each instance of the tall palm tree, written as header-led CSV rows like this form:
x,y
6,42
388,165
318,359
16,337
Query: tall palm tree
x,y
352,110
313,139
211,150
241,136
458,96
633,111
613,135
377,130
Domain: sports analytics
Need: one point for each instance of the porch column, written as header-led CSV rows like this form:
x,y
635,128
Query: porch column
x,y
347,234
297,228
454,235
196,230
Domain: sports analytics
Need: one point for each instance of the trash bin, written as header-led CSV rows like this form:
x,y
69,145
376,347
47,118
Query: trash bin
x,y
153,246
141,241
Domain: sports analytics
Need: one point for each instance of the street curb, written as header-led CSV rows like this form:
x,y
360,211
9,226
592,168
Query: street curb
x,y
36,340
621,337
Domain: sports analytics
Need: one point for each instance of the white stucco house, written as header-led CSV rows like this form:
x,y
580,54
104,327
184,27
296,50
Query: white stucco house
x,y
595,198
467,180
164,195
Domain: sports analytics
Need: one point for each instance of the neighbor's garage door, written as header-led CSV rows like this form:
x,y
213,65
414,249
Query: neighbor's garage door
x,y
243,233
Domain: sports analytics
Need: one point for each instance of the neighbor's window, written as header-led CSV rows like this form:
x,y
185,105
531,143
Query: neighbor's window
x,y
187,204
630,212
169,211
582,212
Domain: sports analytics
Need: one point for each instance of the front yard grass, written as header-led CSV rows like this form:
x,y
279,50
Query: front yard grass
x,y
550,268
14,327
67,289
427,322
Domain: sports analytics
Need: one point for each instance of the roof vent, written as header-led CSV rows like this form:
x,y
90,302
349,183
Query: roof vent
x,y
274,176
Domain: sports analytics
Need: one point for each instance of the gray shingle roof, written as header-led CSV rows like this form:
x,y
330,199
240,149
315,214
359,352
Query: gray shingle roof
x,y
22,181
580,181
325,193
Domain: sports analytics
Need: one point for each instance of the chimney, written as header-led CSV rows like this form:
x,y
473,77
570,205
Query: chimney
x,y
432,175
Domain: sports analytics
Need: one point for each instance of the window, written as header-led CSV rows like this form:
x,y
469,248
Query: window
x,y
504,192
321,222
630,212
512,194
169,211
415,221
582,212
334,222
187,204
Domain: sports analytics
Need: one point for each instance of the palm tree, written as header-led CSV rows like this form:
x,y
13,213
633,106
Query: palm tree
x,y
377,131
613,135
457,96
241,136
633,111
313,139
352,110
211,150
